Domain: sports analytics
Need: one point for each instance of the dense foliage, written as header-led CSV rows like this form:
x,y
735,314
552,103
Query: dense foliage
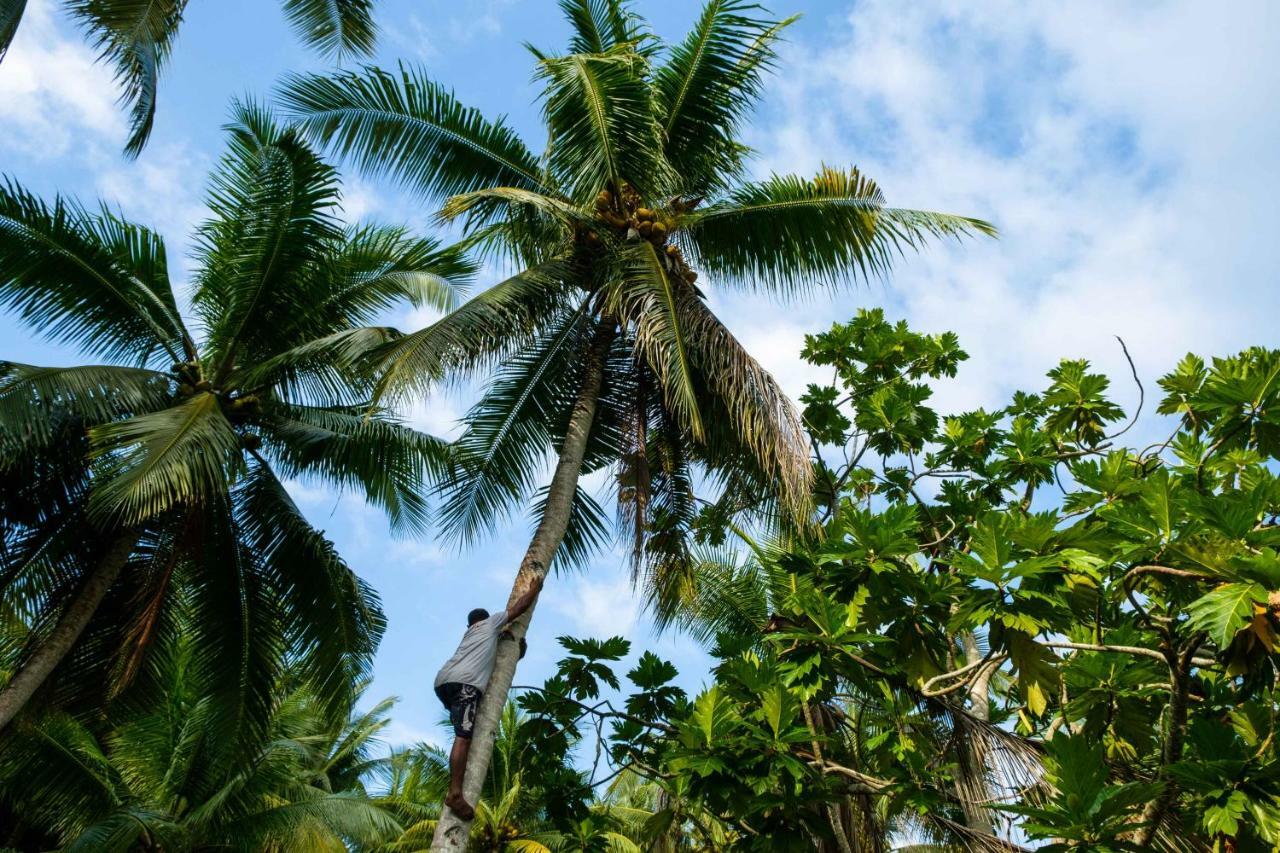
x,y
156,479
1005,626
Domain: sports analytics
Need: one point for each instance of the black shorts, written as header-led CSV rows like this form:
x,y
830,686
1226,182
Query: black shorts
x,y
462,701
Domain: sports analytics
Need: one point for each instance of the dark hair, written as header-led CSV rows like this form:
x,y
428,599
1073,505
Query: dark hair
x,y
477,615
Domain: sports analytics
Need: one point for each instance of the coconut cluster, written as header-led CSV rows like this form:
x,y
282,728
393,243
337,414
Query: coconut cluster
x,y
624,214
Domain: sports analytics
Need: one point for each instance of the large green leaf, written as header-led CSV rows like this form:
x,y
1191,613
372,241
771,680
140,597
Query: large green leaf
x,y
1225,610
411,128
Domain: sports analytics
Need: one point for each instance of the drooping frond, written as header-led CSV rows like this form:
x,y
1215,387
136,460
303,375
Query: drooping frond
x,y
727,593
761,417
10,17
362,449
410,128
480,333
95,282
134,36
333,619
155,461
483,206
600,25
273,203
237,643
337,28
599,113
650,298
507,441
789,233
34,401
707,86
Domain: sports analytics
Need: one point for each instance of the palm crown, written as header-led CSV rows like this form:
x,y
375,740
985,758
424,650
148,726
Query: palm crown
x,y
175,451
603,348
137,36
640,187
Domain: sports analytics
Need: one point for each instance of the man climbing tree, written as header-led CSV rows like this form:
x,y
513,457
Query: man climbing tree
x,y
461,681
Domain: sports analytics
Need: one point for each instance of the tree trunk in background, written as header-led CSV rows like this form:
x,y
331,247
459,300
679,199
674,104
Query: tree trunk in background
x,y
973,766
52,649
451,831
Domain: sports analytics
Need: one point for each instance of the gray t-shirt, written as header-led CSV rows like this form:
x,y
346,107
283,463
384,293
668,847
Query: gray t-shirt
x,y
472,663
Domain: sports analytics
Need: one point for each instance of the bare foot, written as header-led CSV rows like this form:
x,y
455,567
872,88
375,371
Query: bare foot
x,y
459,806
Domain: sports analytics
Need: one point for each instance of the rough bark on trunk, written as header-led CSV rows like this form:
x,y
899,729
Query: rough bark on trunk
x,y
52,649
451,831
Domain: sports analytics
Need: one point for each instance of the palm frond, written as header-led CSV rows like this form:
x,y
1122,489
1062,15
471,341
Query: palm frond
x,y
586,533
483,206
708,84
365,449
95,282
508,436
650,297
368,271
153,462
410,128
273,203
490,326
789,233
760,416
327,370
598,111
333,619
134,36
337,28
600,25
10,17
36,401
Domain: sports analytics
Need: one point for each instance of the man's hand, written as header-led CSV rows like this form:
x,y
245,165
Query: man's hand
x,y
521,604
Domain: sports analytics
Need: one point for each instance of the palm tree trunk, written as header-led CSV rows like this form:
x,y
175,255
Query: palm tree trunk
x,y
972,781
50,652
451,831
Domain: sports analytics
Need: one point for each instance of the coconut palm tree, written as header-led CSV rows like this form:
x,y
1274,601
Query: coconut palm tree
x,y
136,36
148,775
602,349
162,470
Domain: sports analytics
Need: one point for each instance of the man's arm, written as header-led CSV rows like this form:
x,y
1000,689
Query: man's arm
x,y
521,604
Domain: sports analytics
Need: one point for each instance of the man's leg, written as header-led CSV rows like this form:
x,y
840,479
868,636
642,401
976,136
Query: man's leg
x,y
462,713
458,770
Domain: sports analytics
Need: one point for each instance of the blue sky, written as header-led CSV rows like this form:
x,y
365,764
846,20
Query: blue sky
x,y
1129,152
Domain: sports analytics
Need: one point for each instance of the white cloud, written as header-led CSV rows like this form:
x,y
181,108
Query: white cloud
x,y
1122,151
54,98
598,607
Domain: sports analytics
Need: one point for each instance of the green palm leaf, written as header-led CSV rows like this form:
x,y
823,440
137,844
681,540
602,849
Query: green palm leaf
x,y
707,86
135,36
336,28
35,401
92,281
490,326
411,128
159,460
509,429
650,297
790,233
273,202
600,25
361,449
599,113
334,620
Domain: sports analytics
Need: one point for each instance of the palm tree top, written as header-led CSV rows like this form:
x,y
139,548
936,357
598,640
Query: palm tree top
x,y
637,205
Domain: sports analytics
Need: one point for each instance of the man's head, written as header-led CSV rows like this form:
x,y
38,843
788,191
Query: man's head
x,y
477,615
